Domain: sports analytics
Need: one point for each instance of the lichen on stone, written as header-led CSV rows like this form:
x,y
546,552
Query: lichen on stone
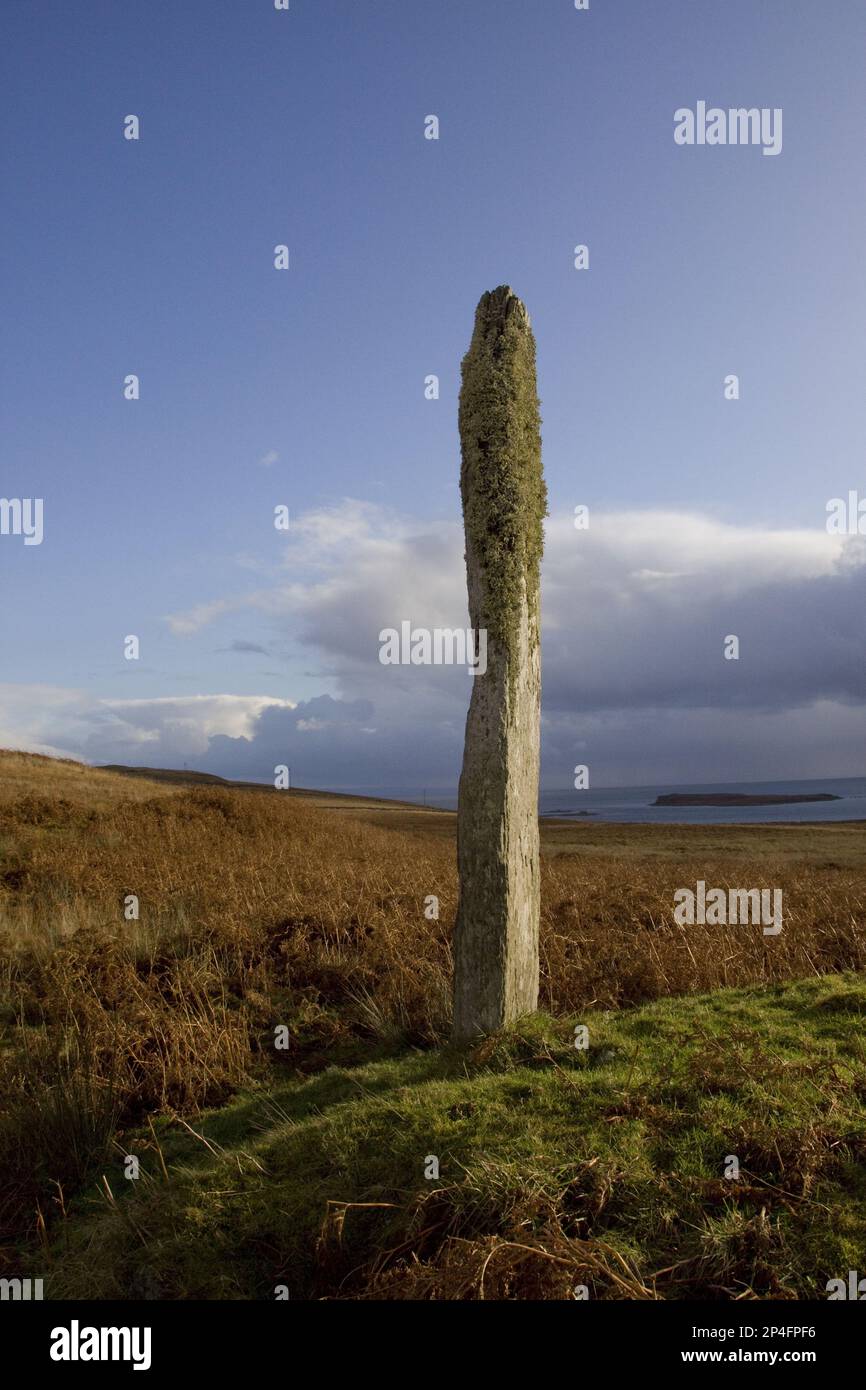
x,y
501,482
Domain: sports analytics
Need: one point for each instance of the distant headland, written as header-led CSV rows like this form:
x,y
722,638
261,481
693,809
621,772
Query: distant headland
x,y
739,798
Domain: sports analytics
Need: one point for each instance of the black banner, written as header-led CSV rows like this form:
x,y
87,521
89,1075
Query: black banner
x,y
237,1338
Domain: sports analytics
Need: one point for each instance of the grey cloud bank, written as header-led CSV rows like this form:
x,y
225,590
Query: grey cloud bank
x,y
636,610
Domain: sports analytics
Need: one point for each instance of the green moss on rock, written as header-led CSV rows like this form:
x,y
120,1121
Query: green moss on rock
x,y
501,482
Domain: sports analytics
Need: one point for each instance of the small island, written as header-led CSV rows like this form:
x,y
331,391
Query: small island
x,y
739,799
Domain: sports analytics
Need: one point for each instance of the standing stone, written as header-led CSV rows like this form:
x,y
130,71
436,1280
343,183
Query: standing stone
x,y
504,504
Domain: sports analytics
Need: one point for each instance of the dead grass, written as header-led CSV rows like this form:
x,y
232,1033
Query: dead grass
x,y
261,909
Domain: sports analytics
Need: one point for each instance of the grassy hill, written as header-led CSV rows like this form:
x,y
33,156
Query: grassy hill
x,y
305,1165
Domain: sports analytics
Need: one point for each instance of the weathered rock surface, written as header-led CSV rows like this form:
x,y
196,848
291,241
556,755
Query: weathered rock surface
x,y
504,503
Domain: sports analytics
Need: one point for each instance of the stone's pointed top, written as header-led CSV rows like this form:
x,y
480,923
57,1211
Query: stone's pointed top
x,y
497,306
501,294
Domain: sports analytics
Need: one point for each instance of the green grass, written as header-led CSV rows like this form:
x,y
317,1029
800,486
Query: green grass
x,y
557,1167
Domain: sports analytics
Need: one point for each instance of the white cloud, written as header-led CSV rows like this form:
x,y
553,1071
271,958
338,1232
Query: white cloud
x,y
39,718
71,723
186,722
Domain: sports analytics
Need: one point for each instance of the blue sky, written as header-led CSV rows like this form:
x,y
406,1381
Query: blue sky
x,y
306,387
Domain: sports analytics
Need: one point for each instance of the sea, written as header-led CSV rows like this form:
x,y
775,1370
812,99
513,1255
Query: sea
x,y
635,804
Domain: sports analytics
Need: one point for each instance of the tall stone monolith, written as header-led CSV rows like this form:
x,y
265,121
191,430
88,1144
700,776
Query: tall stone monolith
x,y
504,504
